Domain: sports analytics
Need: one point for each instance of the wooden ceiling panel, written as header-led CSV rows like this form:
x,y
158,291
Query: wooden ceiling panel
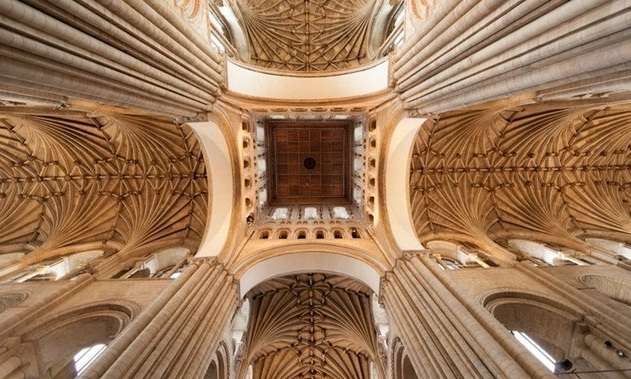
x,y
309,162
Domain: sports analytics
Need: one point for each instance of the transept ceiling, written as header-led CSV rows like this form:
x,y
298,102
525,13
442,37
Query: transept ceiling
x,y
310,326
307,35
70,178
550,171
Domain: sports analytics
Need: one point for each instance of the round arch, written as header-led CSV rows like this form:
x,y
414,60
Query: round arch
x,y
302,262
397,182
58,338
218,160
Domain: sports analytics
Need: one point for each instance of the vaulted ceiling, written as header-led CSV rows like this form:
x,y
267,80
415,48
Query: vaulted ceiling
x,y
310,326
554,172
307,35
69,178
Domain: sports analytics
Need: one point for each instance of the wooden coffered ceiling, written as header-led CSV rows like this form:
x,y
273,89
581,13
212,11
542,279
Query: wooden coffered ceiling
x,y
307,35
71,179
311,326
293,145
553,172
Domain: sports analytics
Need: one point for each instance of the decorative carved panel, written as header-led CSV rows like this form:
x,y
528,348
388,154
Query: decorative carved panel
x,y
309,163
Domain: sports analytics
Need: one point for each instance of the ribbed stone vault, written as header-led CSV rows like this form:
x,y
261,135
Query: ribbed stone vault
x,y
71,180
555,172
310,326
315,35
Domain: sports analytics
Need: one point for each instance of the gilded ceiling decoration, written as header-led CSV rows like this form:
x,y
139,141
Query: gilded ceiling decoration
x,y
307,35
310,326
554,172
70,179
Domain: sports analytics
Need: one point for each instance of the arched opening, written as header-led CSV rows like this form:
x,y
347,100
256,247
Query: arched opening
x,y
550,331
212,372
319,234
273,344
69,343
310,262
338,234
401,365
64,267
355,233
163,264
264,235
408,370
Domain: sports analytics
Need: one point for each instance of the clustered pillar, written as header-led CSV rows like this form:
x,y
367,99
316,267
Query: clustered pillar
x,y
177,335
444,338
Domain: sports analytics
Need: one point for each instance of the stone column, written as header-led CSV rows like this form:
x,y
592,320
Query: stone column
x,y
178,334
442,337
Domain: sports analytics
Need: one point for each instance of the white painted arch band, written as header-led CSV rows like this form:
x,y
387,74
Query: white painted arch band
x,y
252,82
219,167
397,179
295,263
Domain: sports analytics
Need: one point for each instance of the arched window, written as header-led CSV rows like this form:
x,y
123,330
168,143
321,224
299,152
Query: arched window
x,y
545,328
68,344
355,233
401,366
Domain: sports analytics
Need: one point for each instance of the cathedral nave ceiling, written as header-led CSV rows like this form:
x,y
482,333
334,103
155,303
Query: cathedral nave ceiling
x,y
69,179
553,172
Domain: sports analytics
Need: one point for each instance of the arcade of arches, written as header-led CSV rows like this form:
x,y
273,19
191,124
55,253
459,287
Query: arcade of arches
x,y
313,189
